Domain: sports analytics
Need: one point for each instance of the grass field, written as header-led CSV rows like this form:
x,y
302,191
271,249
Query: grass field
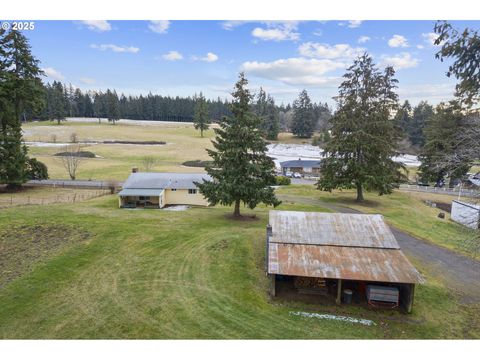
x,y
161,274
404,210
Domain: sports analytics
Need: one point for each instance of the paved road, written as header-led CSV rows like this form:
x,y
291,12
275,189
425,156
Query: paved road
x,y
460,272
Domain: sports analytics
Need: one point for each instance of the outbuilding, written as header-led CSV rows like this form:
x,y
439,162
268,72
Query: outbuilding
x,y
304,167
346,257
157,190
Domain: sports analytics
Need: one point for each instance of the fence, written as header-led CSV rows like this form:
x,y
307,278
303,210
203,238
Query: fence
x,y
447,191
19,199
86,184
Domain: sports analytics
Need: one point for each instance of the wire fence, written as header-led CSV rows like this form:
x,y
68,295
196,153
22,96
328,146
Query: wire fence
x,y
474,193
9,200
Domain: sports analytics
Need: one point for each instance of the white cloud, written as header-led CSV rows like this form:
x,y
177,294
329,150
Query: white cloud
x,y
53,74
398,41
363,39
280,33
400,61
430,38
433,93
97,25
87,81
326,51
172,56
210,57
231,24
352,24
294,71
159,26
318,32
420,46
115,48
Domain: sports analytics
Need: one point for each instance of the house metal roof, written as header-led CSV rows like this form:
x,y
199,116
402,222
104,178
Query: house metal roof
x,y
300,163
337,246
157,180
140,192
314,228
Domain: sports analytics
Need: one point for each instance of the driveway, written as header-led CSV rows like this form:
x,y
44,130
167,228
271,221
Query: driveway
x,y
461,273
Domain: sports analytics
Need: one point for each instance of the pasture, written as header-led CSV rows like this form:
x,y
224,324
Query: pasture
x,y
161,274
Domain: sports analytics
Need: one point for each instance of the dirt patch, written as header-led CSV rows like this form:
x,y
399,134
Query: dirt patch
x,y
242,217
24,246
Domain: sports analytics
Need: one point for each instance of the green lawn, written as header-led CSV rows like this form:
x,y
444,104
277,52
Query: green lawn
x,y
404,210
163,274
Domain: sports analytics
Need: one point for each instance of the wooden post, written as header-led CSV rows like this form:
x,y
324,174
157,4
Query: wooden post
x,y
410,298
339,292
272,284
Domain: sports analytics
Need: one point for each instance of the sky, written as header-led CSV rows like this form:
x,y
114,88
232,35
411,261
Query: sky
x,y
182,58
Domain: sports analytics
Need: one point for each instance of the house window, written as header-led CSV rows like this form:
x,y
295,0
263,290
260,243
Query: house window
x,y
192,191
174,189
144,197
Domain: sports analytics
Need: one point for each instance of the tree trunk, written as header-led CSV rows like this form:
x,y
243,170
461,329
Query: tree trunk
x,y
201,132
236,211
359,192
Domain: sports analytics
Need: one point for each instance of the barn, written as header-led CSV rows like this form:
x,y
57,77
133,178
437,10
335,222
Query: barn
x,y
157,190
341,257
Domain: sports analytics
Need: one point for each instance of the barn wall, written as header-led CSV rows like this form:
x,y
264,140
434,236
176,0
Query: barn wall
x,y
466,214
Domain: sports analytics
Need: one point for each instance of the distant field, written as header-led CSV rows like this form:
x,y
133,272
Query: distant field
x,y
91,270
115,161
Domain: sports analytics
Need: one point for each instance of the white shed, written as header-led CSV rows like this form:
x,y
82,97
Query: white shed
x,y
466,214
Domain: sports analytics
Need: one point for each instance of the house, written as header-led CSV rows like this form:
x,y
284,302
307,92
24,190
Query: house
x,y
304,167
466,214
354,257
157,190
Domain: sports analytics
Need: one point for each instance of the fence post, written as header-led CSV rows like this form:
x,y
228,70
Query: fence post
x,y
74,196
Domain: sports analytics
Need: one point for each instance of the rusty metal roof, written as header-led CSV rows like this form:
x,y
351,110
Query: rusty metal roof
x,y
336,246
314,228
339,262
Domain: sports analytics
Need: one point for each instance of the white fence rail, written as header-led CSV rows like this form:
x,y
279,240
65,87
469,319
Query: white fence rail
x,y
444,190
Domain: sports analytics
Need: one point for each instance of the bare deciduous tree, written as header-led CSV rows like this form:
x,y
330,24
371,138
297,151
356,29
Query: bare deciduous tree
x,y
73,137
71,159
148,162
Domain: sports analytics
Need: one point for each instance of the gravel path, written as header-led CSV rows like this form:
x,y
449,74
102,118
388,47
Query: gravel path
x,y
461,273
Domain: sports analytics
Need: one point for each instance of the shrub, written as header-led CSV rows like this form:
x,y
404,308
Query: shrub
x,y
283,180
197,163
85,154
36,170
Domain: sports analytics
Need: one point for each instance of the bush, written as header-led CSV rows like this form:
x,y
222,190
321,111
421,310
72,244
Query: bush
x,y
36,170
85,154
198,163
283,180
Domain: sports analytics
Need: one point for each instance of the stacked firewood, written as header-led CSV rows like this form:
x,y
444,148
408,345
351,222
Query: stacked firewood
x,y
310,282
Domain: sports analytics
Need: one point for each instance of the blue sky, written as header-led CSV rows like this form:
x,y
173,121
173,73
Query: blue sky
x,y
186,57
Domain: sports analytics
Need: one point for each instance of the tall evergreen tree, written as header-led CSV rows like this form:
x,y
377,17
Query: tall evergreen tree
x,y
201,120
403,118
303,122
421,113
241,170
113,106
20,88
441,142
359,153
268,113
58,102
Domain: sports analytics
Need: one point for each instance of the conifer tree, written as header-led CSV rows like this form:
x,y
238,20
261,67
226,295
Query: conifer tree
x,y
113,106
20,88
268,113
303,122
201,120
359,153
241,170
441,143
